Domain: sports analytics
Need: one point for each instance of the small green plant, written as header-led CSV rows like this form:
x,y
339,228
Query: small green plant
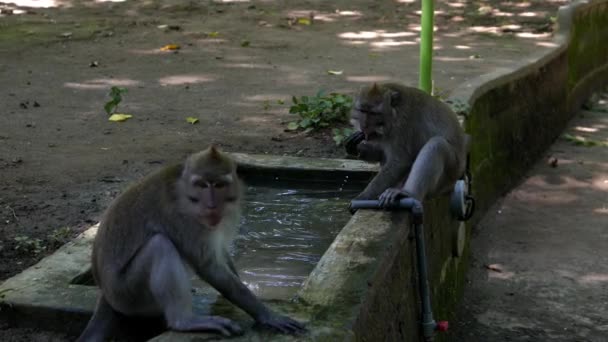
x,y
116,97
341,133
60,236
29,245
319,111
458,106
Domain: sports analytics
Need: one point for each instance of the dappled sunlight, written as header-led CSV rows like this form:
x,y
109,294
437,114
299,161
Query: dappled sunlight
x,y
601,183
547,44
267,97
328,17
379,39
375,34
586,129
593,279
185,79
484,29
392,43
452,59
462,47
532,14
603,210
524,4
368,79
102,83
35,3
356,42
533,35
259,119
437,13
456,4
247,66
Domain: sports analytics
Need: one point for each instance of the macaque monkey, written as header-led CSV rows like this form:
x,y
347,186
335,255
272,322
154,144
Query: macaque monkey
x,y
416,138
181,217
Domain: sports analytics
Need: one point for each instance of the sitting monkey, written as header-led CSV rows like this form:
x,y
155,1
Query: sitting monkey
x,y
183,215
416,138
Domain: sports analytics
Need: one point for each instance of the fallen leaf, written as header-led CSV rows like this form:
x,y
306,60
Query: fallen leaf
x,y
245,43
213,34
335,72
170,47
494,267
292,126
120,117
303,21
191,120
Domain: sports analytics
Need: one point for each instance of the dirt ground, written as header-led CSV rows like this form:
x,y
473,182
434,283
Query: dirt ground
x,y
240,62
539,269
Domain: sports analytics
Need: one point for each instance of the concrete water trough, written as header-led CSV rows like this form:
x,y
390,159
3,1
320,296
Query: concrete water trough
x,y
59,294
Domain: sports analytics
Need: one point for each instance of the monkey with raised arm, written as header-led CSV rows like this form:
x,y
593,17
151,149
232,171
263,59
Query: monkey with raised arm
x,y
416,138
183,215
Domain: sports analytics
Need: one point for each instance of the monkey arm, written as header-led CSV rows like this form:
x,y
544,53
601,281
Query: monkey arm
x,y
370,152
223,279
391,174
352,142
356,145
226,281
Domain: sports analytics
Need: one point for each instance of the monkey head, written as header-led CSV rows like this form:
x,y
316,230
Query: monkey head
x,y
373,111
208,187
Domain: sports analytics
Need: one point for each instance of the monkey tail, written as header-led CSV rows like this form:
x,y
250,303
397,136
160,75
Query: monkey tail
x,y
102,324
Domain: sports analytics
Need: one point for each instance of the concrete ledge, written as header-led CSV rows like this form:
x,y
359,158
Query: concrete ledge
x,y
515,114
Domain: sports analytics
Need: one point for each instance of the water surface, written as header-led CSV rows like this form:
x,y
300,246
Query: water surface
x,y
283,234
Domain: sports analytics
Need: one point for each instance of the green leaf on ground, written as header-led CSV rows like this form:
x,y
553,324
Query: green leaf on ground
x,y
191,120
120,117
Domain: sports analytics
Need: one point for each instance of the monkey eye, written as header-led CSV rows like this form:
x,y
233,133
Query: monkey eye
x,y
220,185
193,199
201,183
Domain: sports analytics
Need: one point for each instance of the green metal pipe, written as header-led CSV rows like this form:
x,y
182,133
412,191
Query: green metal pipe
x,y
426,46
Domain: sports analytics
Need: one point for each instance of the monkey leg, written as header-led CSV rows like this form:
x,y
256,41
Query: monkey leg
x,y
434,170
102,323
157,282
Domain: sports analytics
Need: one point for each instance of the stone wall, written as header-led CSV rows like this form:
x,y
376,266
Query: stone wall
x,y
514,115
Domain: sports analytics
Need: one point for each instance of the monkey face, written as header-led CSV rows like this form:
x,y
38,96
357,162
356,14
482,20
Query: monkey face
x,y
206,198
372,111
370,121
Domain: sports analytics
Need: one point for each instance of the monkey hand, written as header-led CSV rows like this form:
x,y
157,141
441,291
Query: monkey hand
x,y
352,141
391,196
282,324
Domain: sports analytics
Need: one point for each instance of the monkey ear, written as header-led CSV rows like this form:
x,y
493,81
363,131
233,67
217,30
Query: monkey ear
x,y
395,98
375,90
214,152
